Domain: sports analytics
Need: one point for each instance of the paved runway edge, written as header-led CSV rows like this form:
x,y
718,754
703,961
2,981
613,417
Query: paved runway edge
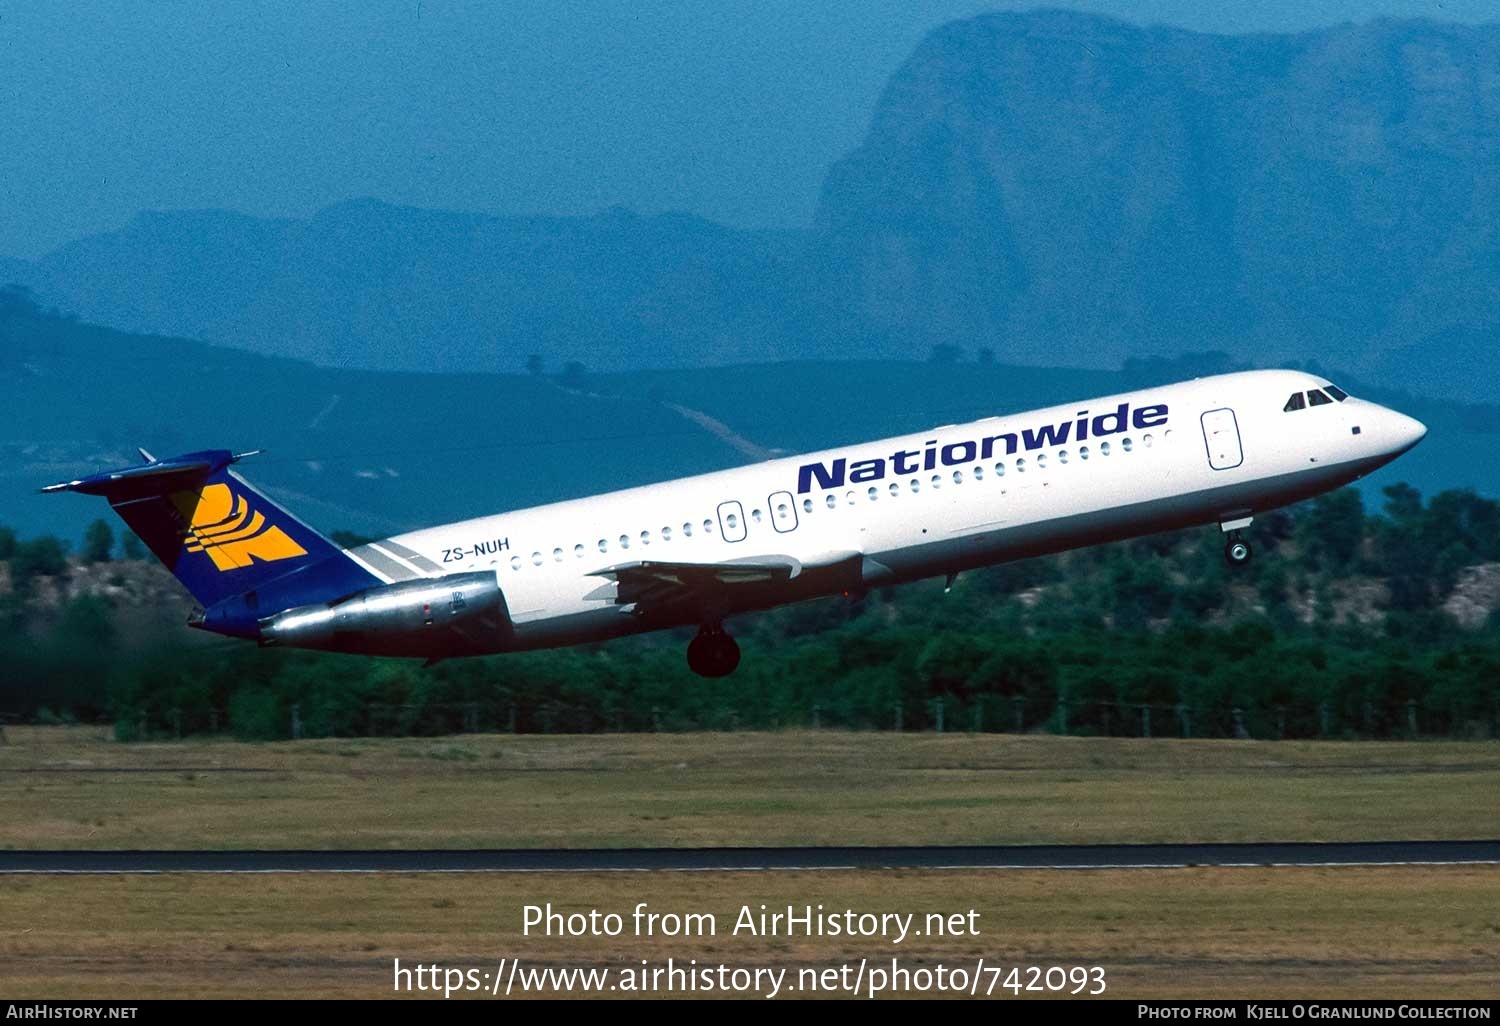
x,y
519,860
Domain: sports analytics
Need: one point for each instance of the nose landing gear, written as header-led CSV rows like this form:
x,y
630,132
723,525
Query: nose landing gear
x,y
713,653
1237,551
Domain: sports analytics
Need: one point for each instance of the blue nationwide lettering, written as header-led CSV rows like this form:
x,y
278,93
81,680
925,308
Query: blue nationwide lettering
x,y
909,461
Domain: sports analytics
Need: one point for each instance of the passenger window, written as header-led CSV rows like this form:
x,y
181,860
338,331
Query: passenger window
x,y
1337,392
624,541
1062,455
958,477
687,529
1041,460
645,537
1317,398
1294,403
557,555
1020,466
1146,441
895,488
1103,448
666,534
603,545
1126,444
1083,452
708,527
536,559
832,500
979,473
755,515
578,550
731,521
515,562
999,469
807,506
916,486
874,493
937,480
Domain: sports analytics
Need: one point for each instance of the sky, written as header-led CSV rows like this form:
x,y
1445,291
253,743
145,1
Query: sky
x,y
729,109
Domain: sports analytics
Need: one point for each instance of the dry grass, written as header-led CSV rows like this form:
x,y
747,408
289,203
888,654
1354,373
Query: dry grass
x,y
1380,932
72,788
1396,932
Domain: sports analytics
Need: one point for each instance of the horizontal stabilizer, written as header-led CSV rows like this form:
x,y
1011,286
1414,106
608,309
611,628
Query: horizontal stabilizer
x,y
111,482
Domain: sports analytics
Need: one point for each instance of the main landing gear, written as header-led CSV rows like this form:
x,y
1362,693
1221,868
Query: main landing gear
x,y
713,653
1237,551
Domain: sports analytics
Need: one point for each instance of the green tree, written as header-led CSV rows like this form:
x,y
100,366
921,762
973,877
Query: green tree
x,y
133,546
98,541
1331,529
41,557
7,543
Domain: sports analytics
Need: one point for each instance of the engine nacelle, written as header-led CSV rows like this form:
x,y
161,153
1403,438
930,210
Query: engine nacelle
x,y
460,614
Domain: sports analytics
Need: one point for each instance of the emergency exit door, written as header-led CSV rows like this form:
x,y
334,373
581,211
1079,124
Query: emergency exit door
x,y
732,521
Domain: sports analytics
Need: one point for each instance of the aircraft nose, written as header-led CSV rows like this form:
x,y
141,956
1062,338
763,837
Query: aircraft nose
x,y
1405,431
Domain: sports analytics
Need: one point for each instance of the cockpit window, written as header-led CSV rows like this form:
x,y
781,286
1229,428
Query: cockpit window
x,y
1294,403
1317,398
1337,392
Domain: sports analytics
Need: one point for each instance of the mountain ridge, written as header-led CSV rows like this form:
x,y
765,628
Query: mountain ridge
x,y
1055,187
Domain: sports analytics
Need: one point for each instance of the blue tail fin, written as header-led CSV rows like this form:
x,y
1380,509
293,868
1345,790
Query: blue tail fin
x,y
216,533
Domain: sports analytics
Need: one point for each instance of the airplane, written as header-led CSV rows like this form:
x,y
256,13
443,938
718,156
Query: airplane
x,y
695,551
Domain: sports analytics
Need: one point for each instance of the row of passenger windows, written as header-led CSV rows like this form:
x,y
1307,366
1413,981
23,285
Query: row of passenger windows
x,y
580,550
731,521
1315,397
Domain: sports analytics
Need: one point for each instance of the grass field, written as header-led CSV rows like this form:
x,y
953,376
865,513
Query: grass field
x,y
1268,932
1382,932
72,788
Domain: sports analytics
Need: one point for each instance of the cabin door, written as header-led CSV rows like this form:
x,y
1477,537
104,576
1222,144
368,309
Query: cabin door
x,y
1221,434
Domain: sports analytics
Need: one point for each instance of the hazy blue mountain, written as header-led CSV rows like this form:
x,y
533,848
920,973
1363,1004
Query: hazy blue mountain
x,y
1058,188
366,284
1077,189
1055,186
381,452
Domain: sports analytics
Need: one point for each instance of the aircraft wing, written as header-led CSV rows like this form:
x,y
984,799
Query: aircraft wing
x,y
652,586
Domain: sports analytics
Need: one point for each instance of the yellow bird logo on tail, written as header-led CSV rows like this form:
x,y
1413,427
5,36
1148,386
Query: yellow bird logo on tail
x,y
233,534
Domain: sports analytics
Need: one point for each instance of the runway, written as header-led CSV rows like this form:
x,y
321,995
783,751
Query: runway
x,y
594,860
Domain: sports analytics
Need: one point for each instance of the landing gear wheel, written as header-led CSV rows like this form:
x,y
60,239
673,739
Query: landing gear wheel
x,y
713,653
1238,551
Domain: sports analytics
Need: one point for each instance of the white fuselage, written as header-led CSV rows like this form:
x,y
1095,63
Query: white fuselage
x,y
1211,450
